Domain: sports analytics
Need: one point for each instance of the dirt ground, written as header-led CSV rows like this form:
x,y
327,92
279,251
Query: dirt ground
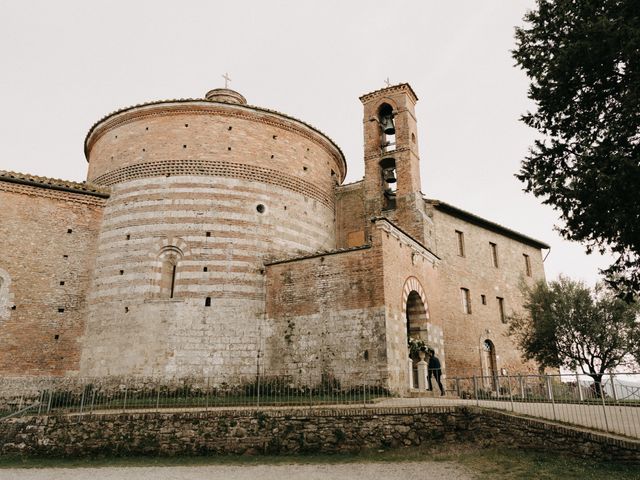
x,y
346,471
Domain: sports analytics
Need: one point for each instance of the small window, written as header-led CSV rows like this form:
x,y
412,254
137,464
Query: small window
x,y
207,302
466,300
527,264
494,254
503,318
484,299
460,237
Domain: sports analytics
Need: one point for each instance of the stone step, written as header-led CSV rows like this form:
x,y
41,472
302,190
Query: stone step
x,y
415,393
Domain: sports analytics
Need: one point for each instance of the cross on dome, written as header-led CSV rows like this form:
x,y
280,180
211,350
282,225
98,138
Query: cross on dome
x,y
227,79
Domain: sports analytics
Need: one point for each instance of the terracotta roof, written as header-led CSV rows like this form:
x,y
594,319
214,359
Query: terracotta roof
x,y
482,222
201,100
318,254
389,89
54,184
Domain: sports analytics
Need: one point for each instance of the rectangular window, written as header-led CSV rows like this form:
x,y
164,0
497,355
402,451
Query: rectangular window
x,y
466,300
460,237
494,254
527,264
503,318
484,299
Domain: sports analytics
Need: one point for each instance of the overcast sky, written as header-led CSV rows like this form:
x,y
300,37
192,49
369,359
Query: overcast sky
x,y
66,64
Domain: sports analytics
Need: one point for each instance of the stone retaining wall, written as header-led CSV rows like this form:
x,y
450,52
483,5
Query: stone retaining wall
x,y
298,431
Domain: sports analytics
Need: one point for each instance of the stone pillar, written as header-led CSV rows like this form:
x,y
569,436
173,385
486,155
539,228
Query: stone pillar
x,y
422,372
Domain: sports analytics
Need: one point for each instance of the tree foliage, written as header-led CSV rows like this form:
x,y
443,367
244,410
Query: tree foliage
x,y
583,60
565,324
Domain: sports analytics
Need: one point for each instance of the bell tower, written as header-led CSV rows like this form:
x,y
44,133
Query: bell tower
x,y
392,162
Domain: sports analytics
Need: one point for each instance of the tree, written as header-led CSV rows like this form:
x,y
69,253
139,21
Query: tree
x,y
583,60
565,324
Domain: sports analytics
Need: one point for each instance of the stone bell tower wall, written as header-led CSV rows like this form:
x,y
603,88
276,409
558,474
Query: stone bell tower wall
x,y
213,190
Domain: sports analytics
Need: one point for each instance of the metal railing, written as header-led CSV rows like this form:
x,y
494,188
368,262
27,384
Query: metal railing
x,y
63,396
611,405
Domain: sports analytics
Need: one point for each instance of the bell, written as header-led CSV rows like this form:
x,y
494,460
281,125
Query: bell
x,y
386,123
389,175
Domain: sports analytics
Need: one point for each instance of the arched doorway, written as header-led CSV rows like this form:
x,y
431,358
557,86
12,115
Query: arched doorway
x,y
490,364
416,316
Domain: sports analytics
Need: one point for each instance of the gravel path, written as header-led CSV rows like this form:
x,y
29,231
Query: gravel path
x,y
346,471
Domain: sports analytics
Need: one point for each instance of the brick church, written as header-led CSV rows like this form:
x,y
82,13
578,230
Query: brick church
x,y
214,238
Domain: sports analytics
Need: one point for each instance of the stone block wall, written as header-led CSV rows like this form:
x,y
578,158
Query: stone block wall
x,y
325,316
292,431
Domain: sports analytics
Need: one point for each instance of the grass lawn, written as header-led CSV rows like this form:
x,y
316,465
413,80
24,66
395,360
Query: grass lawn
x,y
486,464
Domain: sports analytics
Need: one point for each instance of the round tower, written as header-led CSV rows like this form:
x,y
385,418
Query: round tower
x,y
203,192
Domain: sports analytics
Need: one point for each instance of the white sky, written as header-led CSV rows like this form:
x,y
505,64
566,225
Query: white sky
x,y
66,64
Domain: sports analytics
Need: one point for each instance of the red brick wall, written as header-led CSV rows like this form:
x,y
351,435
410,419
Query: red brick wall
x,y
33,227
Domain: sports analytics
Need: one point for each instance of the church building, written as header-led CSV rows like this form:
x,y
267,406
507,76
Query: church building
x,y
215,238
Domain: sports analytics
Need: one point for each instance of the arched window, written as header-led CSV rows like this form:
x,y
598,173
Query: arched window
x,y
169,257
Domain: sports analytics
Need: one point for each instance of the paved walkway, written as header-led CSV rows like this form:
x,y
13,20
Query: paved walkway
x,y
346,471
611,418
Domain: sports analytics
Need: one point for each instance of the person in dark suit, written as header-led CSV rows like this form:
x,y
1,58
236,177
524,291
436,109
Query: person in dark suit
x,y
434,369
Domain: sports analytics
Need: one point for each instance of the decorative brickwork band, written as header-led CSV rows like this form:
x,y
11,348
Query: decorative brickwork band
x,y
413,285
217,169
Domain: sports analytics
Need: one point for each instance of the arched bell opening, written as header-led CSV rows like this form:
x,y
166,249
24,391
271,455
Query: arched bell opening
x,y
388,175
388,127
389,180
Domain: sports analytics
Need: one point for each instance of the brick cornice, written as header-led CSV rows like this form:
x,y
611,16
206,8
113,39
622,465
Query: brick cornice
x,y
203,107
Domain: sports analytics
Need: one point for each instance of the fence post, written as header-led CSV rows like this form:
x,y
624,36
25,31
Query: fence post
x,y
364,394
206,398
475,390
42,393
510,393
258,391
550,392
93,397
580,394
158,397
613,387
521,380
49,403
604,407
82,400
